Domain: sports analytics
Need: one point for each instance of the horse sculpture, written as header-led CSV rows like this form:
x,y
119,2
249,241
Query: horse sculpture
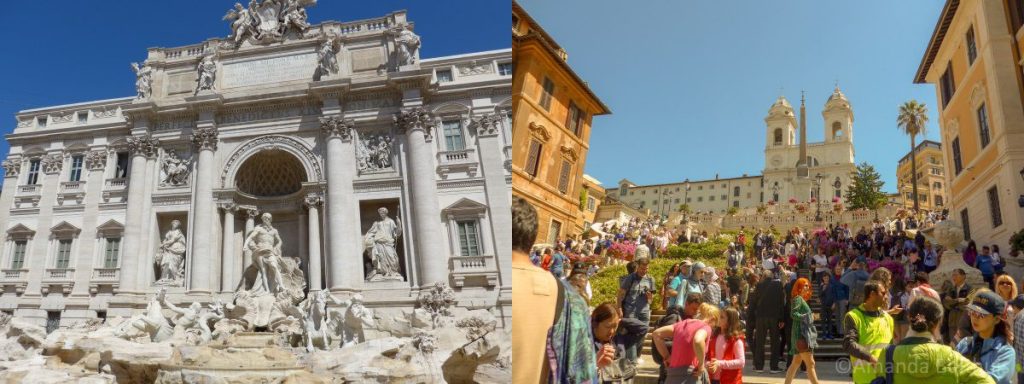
x,y
319,324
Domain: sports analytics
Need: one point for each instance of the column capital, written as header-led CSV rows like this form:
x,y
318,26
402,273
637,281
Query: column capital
x,y
486,125
250,211
96,160
12,167
228,206
205,138
143,145
415,118
312,200
336,126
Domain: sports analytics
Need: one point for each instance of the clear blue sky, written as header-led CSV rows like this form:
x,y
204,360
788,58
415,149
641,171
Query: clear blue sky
x,y
690,82
60,52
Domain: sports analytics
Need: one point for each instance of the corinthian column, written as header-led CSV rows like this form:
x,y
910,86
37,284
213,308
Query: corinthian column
x,y
140,148
315,262
229,276
344,261
499,204
432,263
203,262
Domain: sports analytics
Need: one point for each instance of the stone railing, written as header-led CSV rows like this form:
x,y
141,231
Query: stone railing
x,y
186,51
15,274
31,189
365,26
62,278
104,277
461,160
481,267
72,186
116,183
60,273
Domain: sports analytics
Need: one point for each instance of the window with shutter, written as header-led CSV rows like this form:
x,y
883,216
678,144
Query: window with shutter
x,y
983,125
533,158
469,244
63,254
958,164
547,92
563,177
993,207
113,250
18,260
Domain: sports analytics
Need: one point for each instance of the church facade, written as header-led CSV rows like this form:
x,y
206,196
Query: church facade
x,y
377,172
791,167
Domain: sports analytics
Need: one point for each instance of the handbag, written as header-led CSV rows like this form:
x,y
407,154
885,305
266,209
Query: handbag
x,y
887,379
620,369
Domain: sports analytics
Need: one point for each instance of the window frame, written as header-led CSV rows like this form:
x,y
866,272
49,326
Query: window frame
x,y
476,237
547,92
984,130
508,65
971,45
449,139
532,166
442,80
994,210
947,84
35,165
75,170
965,219
958,162
565,176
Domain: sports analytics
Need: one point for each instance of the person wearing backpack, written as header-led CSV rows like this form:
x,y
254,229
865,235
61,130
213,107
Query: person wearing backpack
x,y
920,358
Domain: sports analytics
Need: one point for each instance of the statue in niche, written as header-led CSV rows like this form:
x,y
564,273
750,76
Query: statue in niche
x,y
327,60
207,69
373,152
170,258
176,170
407,44
143,81
263,247
380,241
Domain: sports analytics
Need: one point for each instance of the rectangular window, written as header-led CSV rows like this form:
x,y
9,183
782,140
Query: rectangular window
x,y
938,200
546,93
622,192
689,199
63,254
505,69
76,167
736,204
33,172
563,177
83,117
18,259
966,221
469,241
700,199
591,203
711,198
983,125
444,76
453,135
573,120
555,231
725,197
972,46
113,249
736,192
946,84
993,207
533,158
41,121
121,171
958,164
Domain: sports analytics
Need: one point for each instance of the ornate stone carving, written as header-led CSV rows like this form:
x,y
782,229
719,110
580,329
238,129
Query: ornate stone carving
x,y
437,301
374,152
151,325
12,166
476,68
312,200
319,325
170,257
52,163
205,138
263,247
143,81
145,145
332,126
25,123
487,125
96,160
380,241
62,117
103,113
415,118
174,169
267,21
327,60
207,69
407,44
286,143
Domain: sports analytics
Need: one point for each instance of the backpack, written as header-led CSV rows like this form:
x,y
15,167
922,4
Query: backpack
x,y
569,347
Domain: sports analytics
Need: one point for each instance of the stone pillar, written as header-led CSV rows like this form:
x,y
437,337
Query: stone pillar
x,y
229,274
417,125
96,162
204,137
499,205
146,246
344,261
313,229
140,147
250,223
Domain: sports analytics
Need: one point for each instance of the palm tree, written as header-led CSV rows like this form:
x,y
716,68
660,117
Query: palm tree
x,y
911,121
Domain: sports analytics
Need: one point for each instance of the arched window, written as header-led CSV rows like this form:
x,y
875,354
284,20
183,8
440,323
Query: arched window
x,y
778,136
837,130
736,191
937,185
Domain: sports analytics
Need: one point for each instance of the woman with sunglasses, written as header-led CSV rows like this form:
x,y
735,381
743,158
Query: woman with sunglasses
x,y
1007,289
989,345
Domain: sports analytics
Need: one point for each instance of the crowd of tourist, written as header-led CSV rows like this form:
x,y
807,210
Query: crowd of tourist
x,y
873,294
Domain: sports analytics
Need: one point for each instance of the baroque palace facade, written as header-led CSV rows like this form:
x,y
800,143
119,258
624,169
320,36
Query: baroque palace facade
x,y
791,167
108,201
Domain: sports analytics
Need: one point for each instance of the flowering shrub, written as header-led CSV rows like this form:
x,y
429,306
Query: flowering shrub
x,y
792,200
835,199
605,284
622,250
814,200
772,202
801,208
893,266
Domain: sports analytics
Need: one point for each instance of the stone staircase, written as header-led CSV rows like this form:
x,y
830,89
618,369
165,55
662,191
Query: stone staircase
x,y
828,350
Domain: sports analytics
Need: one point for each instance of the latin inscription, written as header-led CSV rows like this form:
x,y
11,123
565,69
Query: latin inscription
x,y
366,59
269,70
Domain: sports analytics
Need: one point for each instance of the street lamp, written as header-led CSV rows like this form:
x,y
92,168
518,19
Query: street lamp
x,y
817,195
663,203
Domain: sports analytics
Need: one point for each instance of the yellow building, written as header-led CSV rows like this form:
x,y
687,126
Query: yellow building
x,y
590,201
931,178
973,58
552,110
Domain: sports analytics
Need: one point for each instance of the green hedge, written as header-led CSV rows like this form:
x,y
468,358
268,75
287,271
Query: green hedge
x,y
605,284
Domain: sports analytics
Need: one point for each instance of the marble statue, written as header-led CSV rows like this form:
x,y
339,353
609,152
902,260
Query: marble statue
x,y
243,22
319,325
143,81
207,69
170,258
176,170
380,241
327,60
151,325
294,15
263,247
407,44
268,20
357,319
373,152
187,318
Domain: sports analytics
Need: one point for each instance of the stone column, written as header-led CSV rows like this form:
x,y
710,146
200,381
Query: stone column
x,y
229,275
344,262
140,148
499,205
146,246
204,137
250,223
417,125
96,162
313,229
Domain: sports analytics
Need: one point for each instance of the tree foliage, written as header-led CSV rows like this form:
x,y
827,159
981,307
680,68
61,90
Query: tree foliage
x,y
865,190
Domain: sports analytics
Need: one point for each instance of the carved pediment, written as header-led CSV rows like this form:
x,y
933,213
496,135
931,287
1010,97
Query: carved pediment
x,y
65,229
570,153
540,132
111,227
465,207
20,231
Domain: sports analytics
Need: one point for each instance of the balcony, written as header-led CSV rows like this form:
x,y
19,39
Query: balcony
x,y
104,277
120,183
72,186
115,189
17,278
71,191
479,268
457,161
31,189
60,278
